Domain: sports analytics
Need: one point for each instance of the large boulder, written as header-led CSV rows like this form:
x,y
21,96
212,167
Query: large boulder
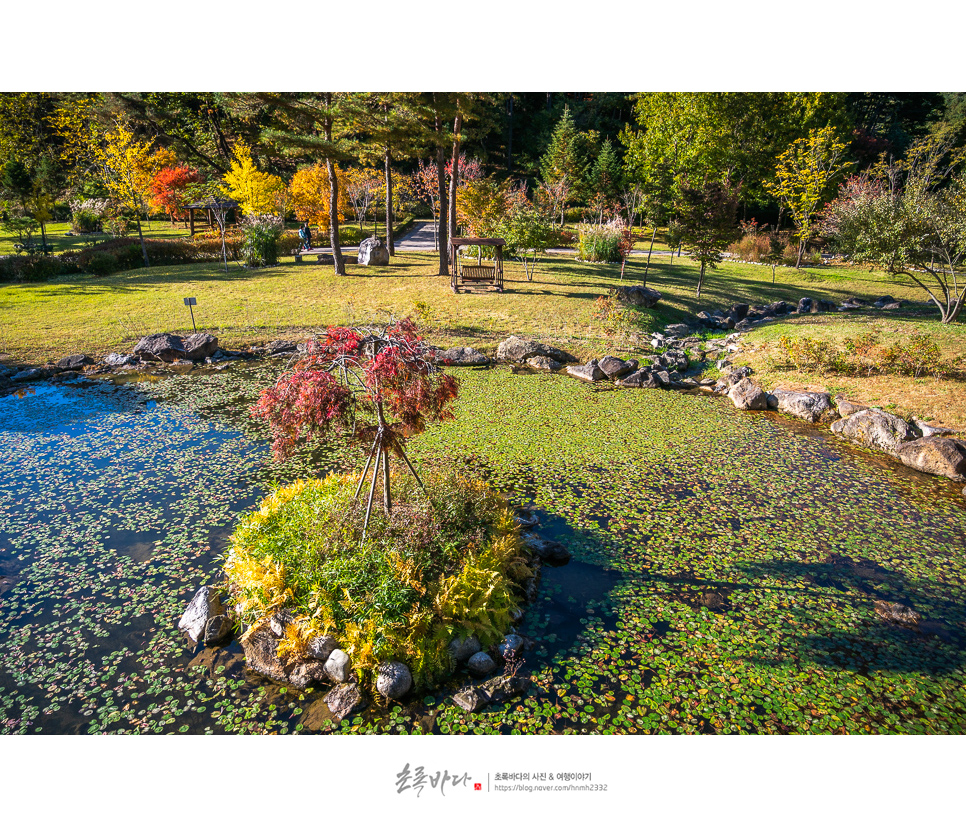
x,y
846,408
945,456
304,674
463,649
199,346
515,349
732,377
738,311
29,375
640,296
261,652
677,331
748,396
511,647
547,551
639,379
778,308
875,429
462,357
343,700
676,359
470,699
117,360
544,363
802,404
481,664
321,647
493,691
929,430
218,629
616,368
373,252
338,666
165,347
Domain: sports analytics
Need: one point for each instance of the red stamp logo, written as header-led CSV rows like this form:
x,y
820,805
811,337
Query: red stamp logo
x,y
477,786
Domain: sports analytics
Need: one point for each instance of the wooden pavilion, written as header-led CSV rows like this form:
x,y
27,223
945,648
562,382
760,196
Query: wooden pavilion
x,y
470,276
208,207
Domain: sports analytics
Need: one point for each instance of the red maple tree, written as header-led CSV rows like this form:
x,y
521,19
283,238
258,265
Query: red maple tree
x,y
167,189
377,386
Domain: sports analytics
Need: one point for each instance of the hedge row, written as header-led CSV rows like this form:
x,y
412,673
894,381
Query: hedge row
x,y
125,253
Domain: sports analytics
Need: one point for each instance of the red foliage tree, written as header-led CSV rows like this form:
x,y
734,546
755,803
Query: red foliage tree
x,y
168,186
373,386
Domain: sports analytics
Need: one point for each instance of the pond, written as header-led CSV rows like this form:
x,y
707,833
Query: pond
x,y
725,575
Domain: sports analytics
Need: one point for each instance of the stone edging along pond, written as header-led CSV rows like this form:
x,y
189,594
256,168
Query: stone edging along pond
x,y
916,444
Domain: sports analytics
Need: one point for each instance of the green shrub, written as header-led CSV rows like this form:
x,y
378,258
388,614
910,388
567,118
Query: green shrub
x,y
101,263
20,269
445,566
865,356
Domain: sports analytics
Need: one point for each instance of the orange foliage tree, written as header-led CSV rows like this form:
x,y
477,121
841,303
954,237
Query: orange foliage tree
x,y
168,189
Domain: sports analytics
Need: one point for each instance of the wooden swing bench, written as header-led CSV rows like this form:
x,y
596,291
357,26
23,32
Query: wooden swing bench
x,y
470,276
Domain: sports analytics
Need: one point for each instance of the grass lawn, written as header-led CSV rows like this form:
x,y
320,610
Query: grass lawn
x,y
41,322
60,241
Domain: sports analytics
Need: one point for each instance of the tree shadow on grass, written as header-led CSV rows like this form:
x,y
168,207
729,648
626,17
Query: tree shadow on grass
x,y
132,281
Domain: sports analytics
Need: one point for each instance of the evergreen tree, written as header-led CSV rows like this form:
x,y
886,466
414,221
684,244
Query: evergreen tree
x,y
605,176
560,159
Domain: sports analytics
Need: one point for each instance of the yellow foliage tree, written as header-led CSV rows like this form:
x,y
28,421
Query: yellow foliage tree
x,y
309,195
803,177
254,191
124,166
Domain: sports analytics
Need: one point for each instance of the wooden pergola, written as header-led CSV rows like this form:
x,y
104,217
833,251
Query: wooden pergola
x,y
475,275
208,206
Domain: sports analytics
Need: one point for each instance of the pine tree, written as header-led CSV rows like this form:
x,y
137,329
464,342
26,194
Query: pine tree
x,y
606,174
560,158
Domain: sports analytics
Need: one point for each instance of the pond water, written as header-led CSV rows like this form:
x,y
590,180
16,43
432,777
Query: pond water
x,y
725,574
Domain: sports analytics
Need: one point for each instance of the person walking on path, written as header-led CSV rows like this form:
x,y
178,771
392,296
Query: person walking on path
x,y
308,237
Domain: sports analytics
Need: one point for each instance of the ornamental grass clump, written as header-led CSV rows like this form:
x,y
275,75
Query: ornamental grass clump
x,y
601,243
446,564
261,234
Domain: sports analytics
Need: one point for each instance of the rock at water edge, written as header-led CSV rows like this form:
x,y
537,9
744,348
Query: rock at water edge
x,y
874,429
343,700
748,396
803,404
463,650
394,680
204,605
943,456
338,666
481,664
